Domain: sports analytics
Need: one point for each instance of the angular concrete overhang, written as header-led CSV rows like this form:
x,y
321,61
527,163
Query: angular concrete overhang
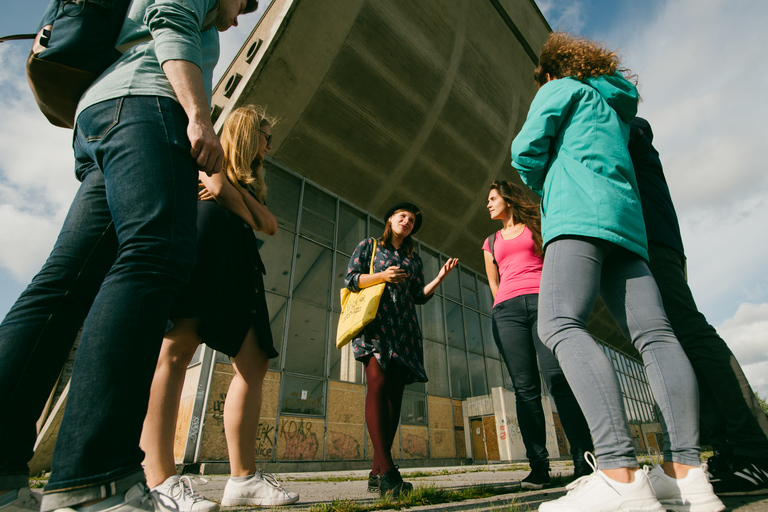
x,y
383,101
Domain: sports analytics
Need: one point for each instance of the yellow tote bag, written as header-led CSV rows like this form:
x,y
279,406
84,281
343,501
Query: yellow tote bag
x,y
358,308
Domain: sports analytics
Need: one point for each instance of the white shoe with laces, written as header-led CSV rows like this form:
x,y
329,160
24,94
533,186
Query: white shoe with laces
x,y
690,494
26,501
260,489
598,493
137,499
179,489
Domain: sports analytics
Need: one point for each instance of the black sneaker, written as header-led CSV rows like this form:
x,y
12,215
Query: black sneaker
x,y
749,477
373,482
392,483
581,468
537,479
719,466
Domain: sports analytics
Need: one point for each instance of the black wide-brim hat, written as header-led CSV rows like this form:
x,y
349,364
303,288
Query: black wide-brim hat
x,y
409,207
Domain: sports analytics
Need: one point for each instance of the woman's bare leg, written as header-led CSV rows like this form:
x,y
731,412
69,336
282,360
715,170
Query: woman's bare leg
x,y
242,407
159,429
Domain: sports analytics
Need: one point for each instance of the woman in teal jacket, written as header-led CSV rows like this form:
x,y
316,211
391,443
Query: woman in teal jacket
x,y
572,151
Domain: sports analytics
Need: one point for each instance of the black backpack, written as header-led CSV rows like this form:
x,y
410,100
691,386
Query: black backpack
x,y
74,44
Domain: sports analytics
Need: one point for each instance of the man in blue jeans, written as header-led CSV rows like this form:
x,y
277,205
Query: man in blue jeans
x,y
142,132
731,417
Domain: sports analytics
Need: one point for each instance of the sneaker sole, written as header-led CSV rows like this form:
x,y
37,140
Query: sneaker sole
x,y
239,502
373,489
533,487
709,506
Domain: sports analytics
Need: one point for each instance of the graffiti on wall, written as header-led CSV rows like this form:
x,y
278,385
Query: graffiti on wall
x,y
415,446
300,441
342,446
265,441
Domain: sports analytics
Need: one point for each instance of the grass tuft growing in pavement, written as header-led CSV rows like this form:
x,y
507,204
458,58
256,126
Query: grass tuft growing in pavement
x,y
426,495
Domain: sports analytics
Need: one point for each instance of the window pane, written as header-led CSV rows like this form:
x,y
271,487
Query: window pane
x,y
283,192
303,396
469,289
276,305
495,380
491,349
307,339
451,284
486,299
318,216
477,374
418,387
437,368
342,261
377,228
459,377
474,333
317,228
431,265
351,229
414,410
311,280
277,253
455,325
432,318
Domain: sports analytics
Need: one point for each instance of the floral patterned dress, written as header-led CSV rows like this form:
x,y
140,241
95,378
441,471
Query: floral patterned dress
x,y
394,336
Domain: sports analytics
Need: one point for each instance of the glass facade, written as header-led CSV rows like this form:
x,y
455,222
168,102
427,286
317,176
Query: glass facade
x,y
306,263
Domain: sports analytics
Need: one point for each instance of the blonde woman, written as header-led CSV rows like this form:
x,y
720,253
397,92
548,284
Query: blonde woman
x,y
223,306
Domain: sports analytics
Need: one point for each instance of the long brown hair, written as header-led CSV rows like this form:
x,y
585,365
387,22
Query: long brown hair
x,y
523,210
386,238
564,55
240,138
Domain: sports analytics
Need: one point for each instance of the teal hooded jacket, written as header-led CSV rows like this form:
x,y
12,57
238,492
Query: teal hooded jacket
x,y
572,151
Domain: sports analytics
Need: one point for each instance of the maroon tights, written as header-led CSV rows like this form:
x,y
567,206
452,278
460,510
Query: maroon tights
x,y
382,409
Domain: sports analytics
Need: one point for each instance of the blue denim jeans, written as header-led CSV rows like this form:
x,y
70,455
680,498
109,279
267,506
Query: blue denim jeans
x,y
731,417
132,223
516,335
576,270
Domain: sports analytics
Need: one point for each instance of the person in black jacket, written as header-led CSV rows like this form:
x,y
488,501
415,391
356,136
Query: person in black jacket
x,y
732,419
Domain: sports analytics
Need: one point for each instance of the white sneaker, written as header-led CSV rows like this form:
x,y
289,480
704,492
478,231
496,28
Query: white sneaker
x,y
137,499
179,489
690,494
26,501
260,489
598,493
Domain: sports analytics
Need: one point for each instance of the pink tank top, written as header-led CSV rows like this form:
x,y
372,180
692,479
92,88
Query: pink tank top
x,y
519,267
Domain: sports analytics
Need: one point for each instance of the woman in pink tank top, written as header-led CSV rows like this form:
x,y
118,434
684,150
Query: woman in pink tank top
x,y
513,264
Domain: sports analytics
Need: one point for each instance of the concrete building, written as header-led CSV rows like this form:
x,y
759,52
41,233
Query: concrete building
x,y
381,101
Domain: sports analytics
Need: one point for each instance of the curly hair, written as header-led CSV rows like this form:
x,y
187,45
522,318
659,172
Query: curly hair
x,y
523,210
240,141
564,55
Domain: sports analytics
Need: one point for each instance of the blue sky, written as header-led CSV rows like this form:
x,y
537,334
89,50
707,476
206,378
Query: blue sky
x,y
703,78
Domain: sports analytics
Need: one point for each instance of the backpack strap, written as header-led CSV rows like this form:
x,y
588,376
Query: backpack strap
x,y
491,240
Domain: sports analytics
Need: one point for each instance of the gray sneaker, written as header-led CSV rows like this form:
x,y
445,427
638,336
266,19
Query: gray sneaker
x,y
179,489
261,489
27,501
138,499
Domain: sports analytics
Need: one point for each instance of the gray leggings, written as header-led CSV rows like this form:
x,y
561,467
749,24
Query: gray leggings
x,y
575,270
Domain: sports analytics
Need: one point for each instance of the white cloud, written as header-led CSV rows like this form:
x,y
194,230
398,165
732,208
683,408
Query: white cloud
x,y
746,333
704,93
567,15
37,182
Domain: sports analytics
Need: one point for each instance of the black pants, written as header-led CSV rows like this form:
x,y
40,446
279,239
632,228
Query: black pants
x,y
514,330
731,418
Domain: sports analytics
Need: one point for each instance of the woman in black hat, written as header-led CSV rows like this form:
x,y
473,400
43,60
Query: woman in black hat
x,y
390,347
